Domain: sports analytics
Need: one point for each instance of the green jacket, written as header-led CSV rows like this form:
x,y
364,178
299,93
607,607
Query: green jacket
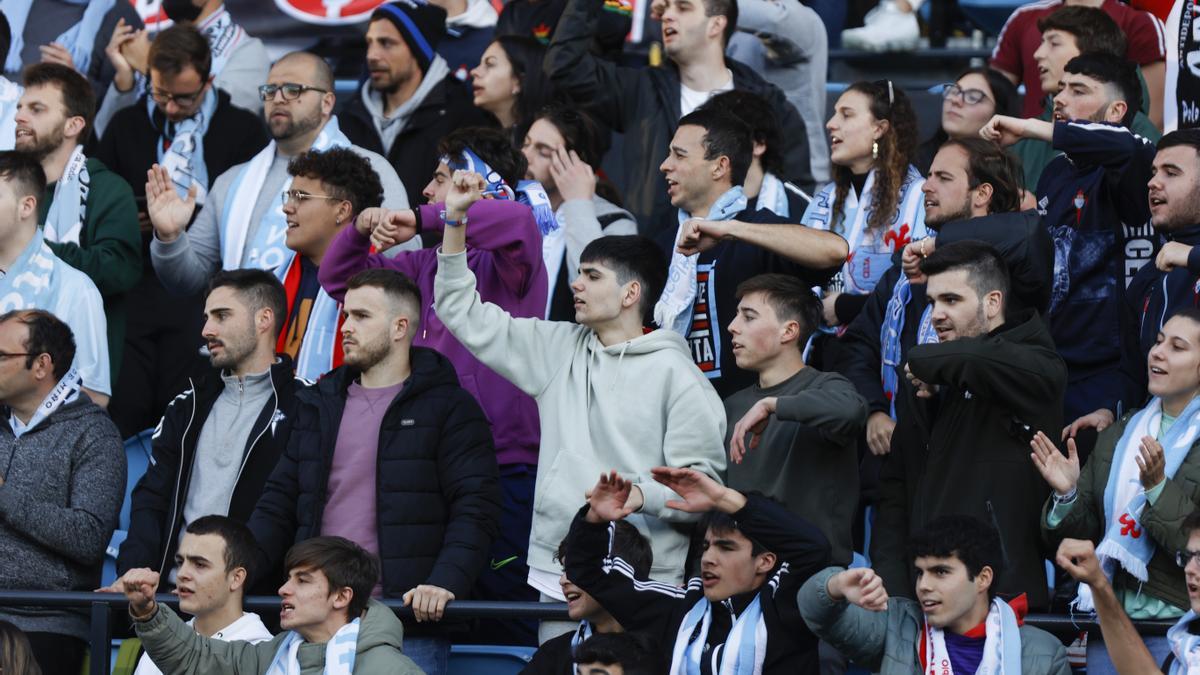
x,y
176,648
887,642
109,249
1035,155
1162,520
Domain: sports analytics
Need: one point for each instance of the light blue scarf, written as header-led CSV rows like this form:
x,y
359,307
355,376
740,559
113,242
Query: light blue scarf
x,y
64,392
268,250
340,652
744,649
30,282
68,212
10,94
185,158
528,192
772,196
674,307
889,338
79,39
1185,646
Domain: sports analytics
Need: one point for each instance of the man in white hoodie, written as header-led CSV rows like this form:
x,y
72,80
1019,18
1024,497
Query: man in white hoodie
x,y
608,394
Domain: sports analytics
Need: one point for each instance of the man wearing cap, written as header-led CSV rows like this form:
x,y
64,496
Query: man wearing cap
x,y
411,99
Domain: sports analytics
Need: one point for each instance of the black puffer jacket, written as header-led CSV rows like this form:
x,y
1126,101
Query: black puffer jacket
x,y
438,492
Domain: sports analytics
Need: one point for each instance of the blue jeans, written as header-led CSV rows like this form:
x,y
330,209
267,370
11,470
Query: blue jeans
x,y
431,654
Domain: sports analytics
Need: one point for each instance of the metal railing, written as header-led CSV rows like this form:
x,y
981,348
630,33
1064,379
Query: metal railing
x,y
100,605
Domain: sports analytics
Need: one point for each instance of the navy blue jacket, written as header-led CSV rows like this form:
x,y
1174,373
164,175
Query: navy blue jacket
x,y
1093,201
437,486
462,48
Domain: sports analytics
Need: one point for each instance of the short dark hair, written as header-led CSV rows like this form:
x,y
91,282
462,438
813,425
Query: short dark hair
x,y
1114,71
756,113
724,523
974,542
25,173
178,47
259,289
239,542
1188,137
1093,29
5,34
79,99
636,653
631,256
992,164
47,335
493,146
725,135
343,562
578,129
986,271
345,173
791,299
626,543
1191,523
396,285
727,9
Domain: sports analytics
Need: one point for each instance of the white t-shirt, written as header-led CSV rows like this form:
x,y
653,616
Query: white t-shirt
x,y
249,628
690,99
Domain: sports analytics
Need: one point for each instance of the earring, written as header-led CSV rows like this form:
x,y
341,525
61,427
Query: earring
x,y
875,150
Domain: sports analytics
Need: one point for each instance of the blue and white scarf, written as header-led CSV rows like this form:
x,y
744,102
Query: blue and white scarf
x,y
64,392
674,307
79,39
30,282
68,211
1063,237
269,249
581,635
889,337
1126,542
772,195
340,652
1001,646
223,37
1185,646
319,342
528,192
744,649
10,94
184,159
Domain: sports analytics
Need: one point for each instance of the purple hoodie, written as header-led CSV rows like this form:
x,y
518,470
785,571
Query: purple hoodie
x,y
504,250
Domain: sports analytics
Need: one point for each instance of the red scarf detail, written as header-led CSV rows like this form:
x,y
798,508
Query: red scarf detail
x,y
291,285
1020,607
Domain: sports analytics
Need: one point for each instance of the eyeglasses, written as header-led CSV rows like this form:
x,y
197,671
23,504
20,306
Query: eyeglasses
x,y
1182,558
182,100
291,91
296,196
967,96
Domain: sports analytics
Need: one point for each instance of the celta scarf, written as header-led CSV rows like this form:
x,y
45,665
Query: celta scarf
x,y
68,211
674,307
1126,543
223,37
889,338
183,156
64,392
321,345
744,650
1185,646
1001,646
10,94
31,282
268,250
772,195
79,39
340,652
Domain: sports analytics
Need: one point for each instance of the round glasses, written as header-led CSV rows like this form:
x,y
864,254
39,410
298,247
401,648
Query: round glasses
x,y
290,90
967,96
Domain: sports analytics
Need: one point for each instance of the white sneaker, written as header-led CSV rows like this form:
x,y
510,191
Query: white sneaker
x,y
885,29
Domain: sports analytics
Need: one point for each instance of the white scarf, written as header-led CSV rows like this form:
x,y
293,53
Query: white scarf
x,y
64,392
1001,647
673,310
80,39
68,211
772,195
10,94
340,652
1185,646
268,251
223,37
184,160
1126,542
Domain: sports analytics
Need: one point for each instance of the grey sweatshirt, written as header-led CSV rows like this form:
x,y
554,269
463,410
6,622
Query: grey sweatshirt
x,y
785,42
389,127
185,265
64,481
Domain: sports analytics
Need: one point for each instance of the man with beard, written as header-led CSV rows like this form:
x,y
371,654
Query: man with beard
x,y
1092,199
242,223
218,440
411,99
88,212
973,401
391,453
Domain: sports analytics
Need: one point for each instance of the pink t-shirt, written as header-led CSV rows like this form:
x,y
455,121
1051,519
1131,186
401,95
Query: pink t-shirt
x,y
1019,39
350,507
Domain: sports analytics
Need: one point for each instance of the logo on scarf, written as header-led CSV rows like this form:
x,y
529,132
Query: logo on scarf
x,y
1129,526
898,239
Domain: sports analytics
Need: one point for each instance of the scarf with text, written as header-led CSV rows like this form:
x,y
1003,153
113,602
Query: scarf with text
x,y
183,155
80,39
64,392
340,652
889,338
68,211
1001,646
744,649
223,37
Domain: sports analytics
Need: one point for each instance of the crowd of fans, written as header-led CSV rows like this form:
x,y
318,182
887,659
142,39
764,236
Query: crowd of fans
x,y
780,395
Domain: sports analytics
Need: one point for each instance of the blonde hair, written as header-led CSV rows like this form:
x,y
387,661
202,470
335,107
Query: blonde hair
x,y
16,656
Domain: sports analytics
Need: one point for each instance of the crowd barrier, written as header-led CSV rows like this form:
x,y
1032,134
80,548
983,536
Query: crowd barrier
x,y
100,605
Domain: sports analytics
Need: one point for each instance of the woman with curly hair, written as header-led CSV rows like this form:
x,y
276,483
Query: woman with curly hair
x,y
509,84
875,199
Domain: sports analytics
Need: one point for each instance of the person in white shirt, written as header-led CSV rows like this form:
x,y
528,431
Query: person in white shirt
x,y
213,562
